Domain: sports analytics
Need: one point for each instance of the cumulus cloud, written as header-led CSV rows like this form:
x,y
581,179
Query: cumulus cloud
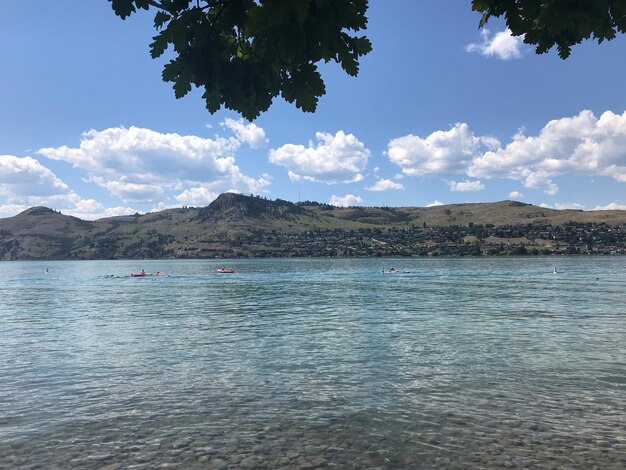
x,y
563,206
442,152
335,159
250,133
197,197
466,186
344,201
9,210
137,164
435,203
582,144
569,205
613,206
502,45
24,183
92,210
133,192
385,185
515,195
86,209
25,176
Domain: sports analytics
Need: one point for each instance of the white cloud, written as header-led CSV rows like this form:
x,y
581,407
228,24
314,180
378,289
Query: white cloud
x,y
150,155
335,159
84,209
613,206
569,205
197,197
9,210
563,206
25,176
581,144
442,152
138,164
502,45
93,210
250,133
385,185
134,192
515,195
24,183
344,201
466,186
435,203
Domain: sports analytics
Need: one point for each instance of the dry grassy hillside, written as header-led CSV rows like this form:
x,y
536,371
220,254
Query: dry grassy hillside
x,y
233,225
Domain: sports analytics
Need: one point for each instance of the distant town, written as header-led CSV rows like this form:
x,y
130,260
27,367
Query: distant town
x,y
454,240
238,226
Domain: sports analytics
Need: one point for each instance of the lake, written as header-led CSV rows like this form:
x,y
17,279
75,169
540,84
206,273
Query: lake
x,y
314,363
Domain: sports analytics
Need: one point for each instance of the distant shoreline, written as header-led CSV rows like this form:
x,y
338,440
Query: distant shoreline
x,y
236,226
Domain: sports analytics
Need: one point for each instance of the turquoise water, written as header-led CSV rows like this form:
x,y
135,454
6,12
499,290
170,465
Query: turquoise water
x,y
315,363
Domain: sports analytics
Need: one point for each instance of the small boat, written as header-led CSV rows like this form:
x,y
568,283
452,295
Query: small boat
x,y
137,274
393,271
225,271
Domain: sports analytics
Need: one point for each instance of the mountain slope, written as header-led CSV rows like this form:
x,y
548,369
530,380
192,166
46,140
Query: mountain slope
x,y
238,225
40,232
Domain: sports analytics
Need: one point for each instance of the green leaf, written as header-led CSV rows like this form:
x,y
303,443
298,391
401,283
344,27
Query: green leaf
x,y
244,53
160,19
304,88
159,45
182,85
123,8
144,4
178,31
213,99
170,71
349,64
362,45
301,9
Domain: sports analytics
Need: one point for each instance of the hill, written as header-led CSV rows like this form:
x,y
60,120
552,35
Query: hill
x,y
237,225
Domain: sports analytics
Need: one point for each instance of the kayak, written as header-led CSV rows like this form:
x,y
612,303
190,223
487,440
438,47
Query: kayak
x,y
137,274
225,271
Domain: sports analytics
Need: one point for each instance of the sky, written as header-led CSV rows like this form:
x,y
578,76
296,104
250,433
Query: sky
x,y
440,113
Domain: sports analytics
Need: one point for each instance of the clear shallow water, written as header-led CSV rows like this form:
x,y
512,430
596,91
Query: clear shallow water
x,y
314,364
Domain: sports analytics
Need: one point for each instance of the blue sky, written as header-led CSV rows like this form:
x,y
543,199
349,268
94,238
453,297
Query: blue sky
x,y
441,112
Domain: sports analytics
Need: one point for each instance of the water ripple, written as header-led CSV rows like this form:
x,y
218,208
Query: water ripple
x,y
314,363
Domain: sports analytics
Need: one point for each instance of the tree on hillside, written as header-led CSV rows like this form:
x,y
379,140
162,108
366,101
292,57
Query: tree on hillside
x,y
245,53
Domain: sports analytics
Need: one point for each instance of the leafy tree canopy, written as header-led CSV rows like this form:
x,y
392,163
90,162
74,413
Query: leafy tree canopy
x,y
244,53
560,23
